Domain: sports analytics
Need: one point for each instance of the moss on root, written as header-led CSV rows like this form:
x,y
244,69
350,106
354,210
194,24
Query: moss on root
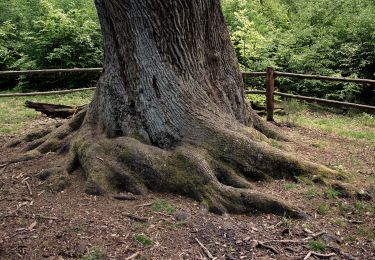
x,y
215,171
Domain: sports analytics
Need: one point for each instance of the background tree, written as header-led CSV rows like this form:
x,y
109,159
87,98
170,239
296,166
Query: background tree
x,y
169,114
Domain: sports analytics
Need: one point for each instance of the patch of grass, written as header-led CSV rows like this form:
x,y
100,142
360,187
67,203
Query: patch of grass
x,y
364,207
175,225
304,180
312,192
14,116
163,206
276,144
294,110
143,240
366,231
323,209
317,245
353,126
94,253
289,186
331,193
340,222
138,226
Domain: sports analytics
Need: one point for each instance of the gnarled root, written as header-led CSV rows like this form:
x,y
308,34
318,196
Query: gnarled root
x,y
210,176
218,171
55,138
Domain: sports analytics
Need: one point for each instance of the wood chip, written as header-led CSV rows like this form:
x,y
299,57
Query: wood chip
x,y
32,226
46,217
133,256
145,205
29,188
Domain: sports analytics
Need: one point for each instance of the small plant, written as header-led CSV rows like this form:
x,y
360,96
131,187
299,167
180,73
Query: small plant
x,y
367,232
323,209
286,221
331,193
340,168
289,186
317,245
293,110
143,240
94,253
311,193
304,180
163,206
276,144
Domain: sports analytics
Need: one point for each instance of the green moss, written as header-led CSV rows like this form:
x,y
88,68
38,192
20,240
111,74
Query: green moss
x,y
317,245
163,206
323,209
143,240
311,193
332,193
95,253
58,183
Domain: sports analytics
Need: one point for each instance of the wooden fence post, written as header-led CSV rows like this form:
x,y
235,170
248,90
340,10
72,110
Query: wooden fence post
x,y
270,93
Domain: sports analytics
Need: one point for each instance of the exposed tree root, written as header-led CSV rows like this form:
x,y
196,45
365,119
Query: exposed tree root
x,y
218,171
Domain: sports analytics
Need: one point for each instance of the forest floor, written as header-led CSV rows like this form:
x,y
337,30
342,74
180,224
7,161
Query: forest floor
x,y
38,224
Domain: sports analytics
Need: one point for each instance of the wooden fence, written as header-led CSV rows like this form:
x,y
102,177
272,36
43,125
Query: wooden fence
x,y
269,74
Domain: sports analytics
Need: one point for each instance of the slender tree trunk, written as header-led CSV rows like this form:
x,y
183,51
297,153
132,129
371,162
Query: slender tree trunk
x,y
169,113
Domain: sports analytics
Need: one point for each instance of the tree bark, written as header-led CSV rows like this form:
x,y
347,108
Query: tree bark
x,y
168,67
169,113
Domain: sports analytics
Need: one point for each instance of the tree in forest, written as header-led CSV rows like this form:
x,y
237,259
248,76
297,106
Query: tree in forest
x,y
169,114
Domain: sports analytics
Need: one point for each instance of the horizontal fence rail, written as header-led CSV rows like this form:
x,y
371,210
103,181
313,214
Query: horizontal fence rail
x,y
48,71
46,93
309,77
317,100
269,74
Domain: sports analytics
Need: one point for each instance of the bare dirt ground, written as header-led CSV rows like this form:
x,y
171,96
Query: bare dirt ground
x,y
36,223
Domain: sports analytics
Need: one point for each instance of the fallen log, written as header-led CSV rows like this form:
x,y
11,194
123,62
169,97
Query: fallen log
x,y
53,110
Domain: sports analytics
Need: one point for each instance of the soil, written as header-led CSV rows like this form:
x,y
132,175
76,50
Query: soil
x,y
36,223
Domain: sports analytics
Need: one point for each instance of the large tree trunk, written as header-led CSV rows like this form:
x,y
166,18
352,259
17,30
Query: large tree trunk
x,y
169,70
169,113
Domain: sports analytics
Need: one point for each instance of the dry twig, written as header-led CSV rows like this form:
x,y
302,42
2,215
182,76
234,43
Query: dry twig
x,y
205,250
136,218
29,188
133,256
309,254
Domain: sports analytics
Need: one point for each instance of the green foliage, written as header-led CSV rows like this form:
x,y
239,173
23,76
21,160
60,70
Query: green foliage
x,y
334,38
40,34
323,209
163,206
94,253
317,245
143,240
331,193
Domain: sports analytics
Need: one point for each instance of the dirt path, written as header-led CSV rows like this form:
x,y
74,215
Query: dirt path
x,y
38,224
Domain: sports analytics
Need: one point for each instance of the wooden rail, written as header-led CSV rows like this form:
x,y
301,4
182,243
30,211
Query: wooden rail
x,y
270,90
317,100
46,93
48,71
270,75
